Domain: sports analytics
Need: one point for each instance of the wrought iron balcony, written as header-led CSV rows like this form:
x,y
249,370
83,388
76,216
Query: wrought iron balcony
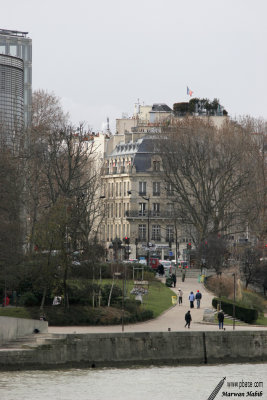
x,y
152,214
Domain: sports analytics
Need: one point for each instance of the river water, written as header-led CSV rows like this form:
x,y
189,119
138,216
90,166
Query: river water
x,y
152,383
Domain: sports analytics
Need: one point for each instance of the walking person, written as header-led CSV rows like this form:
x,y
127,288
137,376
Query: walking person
x,y
198,298
183,275
188,319
173,276
220,319
191,299
180,296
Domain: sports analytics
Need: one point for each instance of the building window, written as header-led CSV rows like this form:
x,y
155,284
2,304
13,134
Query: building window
x,y
156,188
142,232
142,188
119,210
156,233
169,209
117,188
120,188
142,209
156,209
156,165
169,189
169,233
111,210
112,190
124,188
116,210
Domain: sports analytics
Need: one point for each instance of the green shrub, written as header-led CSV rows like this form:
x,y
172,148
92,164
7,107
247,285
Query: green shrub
x,y
28,299
245,314
181,108
169,282
84,316
132,305
115,295
80,293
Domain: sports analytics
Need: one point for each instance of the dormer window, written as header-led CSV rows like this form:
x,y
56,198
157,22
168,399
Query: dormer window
x,y
156,165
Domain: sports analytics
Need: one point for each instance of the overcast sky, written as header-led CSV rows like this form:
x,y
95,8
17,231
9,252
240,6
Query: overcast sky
x,y
101,56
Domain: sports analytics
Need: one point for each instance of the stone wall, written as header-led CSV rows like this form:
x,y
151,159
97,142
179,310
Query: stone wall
x,y
13,328
129,349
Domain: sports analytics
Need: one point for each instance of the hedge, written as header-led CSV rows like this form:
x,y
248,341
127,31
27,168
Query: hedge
x,y
245,314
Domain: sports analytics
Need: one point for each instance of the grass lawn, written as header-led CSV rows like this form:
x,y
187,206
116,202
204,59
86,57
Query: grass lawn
x,y
15,312
158,299
261,321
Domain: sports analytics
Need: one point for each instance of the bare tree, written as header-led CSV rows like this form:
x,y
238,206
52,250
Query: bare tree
x,y
63,175
207,170
213,252
47,116
250,262
256,195
47,112
11,212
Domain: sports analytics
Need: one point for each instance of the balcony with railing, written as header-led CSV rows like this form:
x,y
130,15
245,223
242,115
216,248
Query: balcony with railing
x,y
117,170
152,214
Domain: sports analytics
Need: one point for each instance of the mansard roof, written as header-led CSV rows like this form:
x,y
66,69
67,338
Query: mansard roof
x,y
140,151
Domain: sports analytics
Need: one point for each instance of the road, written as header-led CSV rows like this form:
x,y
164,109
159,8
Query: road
x,y
172,319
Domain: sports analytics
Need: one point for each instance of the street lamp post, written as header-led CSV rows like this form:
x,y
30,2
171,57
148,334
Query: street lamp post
x,y
234,303
148,225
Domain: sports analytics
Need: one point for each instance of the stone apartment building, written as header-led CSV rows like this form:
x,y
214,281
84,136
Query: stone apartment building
x,y
137,203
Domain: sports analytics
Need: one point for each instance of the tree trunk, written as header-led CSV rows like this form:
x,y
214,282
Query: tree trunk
x,y
43,299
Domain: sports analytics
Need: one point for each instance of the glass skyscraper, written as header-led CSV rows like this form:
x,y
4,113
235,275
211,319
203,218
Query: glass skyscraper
x,y
15,77
11,95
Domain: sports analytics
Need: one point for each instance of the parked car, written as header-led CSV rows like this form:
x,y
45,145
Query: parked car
x,y
142,261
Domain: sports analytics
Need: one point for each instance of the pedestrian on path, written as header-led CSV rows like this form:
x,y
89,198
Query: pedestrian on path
x,y
180,296
220,319
191,299
198,298
188,319
173,276
183,275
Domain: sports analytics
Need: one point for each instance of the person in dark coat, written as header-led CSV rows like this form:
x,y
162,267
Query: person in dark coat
x,y
198,298
173,276
183,275
220,319
161,270
188,319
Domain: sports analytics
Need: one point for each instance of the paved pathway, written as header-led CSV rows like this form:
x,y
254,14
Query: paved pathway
x,y
172,318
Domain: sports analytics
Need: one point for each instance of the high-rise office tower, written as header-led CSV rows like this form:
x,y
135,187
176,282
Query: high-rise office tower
x,y
11,95
15,79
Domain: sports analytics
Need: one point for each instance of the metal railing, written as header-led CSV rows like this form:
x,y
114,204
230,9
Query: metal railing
x,y
152,214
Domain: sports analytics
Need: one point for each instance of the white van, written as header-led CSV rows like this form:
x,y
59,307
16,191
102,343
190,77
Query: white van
x,y
167,266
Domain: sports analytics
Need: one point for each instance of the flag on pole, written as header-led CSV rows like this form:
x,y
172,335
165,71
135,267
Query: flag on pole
x,y
217,389
189,91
